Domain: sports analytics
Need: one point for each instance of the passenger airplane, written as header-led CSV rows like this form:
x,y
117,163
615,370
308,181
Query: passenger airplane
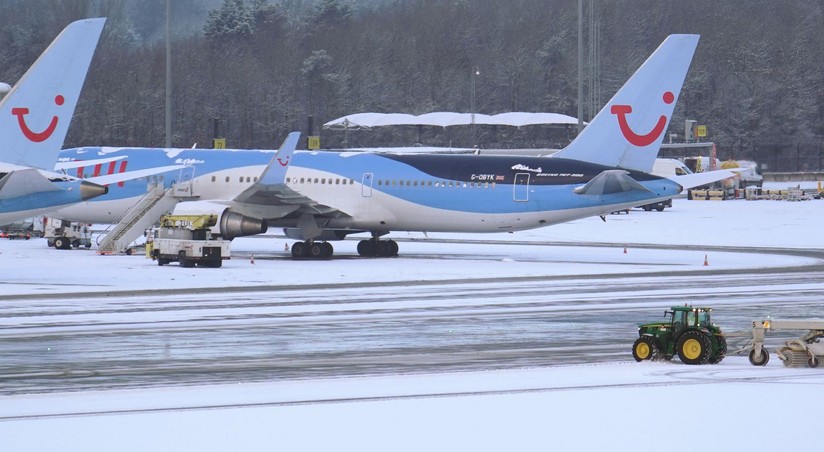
x,y
34,119
321,196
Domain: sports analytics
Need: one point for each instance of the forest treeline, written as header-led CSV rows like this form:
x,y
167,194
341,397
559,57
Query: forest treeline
x,y
261,67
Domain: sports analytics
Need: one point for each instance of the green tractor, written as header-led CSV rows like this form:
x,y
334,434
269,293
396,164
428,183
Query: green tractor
x,y
689,333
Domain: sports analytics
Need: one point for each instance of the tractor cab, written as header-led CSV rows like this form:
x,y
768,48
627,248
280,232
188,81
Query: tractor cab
x,y
688,316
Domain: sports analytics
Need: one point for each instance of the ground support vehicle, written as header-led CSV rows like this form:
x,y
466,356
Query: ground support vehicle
x,y
64,235
11,235
689,333
188,240
804,351
659,206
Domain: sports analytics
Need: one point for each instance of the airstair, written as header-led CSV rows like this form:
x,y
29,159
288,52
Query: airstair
x,y
131,225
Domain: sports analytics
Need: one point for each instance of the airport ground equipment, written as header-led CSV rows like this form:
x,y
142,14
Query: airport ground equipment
x,y
188,240
659,206
689,333
64,235
804,351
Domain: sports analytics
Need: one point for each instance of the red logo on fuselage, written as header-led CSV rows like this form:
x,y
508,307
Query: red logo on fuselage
x,y
621,111
37,137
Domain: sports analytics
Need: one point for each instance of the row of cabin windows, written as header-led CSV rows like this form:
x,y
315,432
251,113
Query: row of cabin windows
x,y
429,183
394,183
381,182
323,180
240,179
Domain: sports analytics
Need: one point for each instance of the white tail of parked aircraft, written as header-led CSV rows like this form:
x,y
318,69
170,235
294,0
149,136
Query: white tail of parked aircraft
x,y
36,113
627,133
34,119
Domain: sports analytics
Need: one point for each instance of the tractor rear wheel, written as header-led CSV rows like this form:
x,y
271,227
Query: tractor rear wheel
x,y
720,350
694,347
643,349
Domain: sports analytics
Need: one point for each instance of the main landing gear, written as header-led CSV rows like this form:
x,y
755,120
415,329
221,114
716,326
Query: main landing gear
x,y
314,250
323,250
377,248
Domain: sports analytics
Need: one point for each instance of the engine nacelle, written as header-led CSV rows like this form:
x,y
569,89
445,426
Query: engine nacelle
x,y
230,224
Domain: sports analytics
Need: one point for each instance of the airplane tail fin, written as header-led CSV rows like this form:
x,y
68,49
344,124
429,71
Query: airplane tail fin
x,y
628,131
275,172
36,113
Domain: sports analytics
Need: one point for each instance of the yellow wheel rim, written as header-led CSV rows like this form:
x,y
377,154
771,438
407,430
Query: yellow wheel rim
x,y
692,348
642,350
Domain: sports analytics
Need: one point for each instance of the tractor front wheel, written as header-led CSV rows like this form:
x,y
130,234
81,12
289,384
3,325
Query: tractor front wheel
x,y
694,347
643,349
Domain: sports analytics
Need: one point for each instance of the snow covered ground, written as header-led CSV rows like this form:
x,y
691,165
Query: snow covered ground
x,y
623,406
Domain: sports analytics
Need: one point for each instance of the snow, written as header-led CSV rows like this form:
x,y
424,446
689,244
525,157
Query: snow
x,y
616,406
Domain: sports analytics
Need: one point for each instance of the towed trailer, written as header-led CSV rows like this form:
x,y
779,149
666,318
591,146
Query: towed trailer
x,y
806,350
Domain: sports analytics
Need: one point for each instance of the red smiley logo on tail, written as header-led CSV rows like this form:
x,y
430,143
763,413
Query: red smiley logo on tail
x,y
36,137
621,111
282,163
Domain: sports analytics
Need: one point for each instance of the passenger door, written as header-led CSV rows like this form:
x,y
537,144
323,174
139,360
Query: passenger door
x,y
520,189
366,185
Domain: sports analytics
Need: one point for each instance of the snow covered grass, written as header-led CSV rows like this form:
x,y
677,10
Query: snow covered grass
x,y
623,406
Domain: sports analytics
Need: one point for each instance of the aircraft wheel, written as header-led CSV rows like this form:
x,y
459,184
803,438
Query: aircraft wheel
x,y
382,248
660,208
316,250
366,248
328,250
812,362
393,248
299,249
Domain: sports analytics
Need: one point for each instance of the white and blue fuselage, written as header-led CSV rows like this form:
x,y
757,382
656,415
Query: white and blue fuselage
x,y
382,192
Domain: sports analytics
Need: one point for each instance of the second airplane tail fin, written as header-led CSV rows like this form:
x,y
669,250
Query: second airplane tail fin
x,y
35,115
628,131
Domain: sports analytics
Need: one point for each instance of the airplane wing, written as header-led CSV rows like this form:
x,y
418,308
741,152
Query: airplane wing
x,y
24,182
270,197
610,182
688,181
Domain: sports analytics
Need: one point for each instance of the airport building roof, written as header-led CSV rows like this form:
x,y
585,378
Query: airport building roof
x,y
446,119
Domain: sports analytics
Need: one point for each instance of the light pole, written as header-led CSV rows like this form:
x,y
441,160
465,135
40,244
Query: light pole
x,y
475,73
169,74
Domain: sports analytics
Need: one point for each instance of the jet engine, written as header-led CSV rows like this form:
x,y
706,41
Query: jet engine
x,y
230,224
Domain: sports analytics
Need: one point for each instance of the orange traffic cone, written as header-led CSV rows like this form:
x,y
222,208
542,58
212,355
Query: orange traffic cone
x,y
253,259
625,249
706,262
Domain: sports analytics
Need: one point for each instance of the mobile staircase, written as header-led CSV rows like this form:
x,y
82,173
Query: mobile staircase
x,y
131,225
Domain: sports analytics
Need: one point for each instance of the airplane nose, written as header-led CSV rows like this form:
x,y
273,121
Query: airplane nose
x,y
90,190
